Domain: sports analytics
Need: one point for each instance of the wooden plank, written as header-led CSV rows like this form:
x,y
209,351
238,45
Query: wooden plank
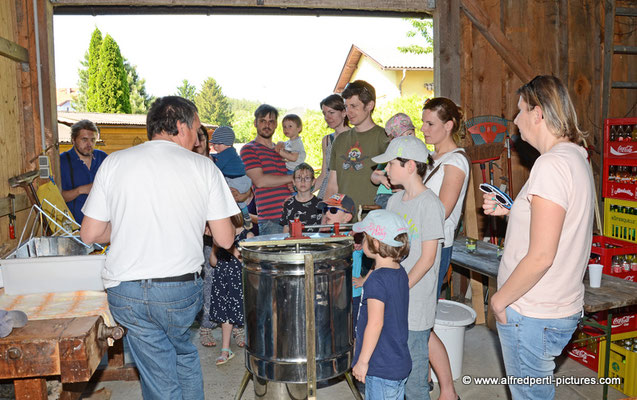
x,y
496,38
613,293
447,50
13,51
368,5
21,202
31,389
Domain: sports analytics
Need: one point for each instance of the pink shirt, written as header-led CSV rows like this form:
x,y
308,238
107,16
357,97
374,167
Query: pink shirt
x,y
561,175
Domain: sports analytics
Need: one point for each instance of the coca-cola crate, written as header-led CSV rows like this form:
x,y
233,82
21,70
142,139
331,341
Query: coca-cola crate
x,y
624,319
619,179
605,248
620,219
585,353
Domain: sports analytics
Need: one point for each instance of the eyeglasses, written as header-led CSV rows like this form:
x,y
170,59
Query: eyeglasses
x,y
334,210
501,198
303,179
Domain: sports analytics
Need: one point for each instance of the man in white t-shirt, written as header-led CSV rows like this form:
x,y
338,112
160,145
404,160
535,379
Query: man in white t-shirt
x,y
152,202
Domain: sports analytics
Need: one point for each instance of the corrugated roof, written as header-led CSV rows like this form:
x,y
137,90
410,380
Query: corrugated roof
x,y
386,57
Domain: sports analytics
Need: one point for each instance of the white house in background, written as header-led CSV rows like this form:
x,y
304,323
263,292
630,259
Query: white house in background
x,y
392,73
65,97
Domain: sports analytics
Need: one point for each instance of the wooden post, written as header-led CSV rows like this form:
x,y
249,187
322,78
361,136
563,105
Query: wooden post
x,y
31,389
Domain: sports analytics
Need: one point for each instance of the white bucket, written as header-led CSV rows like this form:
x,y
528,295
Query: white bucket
x,y
451,319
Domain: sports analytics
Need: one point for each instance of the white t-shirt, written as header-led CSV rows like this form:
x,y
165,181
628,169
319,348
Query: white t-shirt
x,y
459,161
157,197
561,175
295,146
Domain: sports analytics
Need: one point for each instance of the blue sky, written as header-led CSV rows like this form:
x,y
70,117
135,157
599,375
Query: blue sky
x,y
288,61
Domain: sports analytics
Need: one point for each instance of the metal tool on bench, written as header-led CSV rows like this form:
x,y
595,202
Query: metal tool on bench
x,y
298,317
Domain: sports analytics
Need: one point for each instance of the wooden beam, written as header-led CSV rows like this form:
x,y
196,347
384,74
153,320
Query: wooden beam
x,y
13,51
367,5
447,50
494,35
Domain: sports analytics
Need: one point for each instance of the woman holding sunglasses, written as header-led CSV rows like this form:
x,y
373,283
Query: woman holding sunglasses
x,y
548,240
442,120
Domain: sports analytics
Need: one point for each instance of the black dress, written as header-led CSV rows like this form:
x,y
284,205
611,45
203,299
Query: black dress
x,y
226,298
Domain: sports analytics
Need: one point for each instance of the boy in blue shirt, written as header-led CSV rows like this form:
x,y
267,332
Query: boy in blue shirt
x,y
381,359
231,166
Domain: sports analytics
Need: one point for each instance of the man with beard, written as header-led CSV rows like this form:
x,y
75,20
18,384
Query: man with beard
x,y
267,170
79,165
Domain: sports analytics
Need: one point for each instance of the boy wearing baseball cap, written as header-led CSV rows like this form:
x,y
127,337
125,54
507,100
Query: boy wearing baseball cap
x,y
381,359
231,166
408,159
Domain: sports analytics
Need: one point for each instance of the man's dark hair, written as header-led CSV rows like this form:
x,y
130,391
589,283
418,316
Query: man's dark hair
x,y
363,90
83,124
421,167
264,110
165,112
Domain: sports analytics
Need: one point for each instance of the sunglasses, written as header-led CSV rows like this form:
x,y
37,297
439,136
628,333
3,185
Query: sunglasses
x,y
334,210
501,198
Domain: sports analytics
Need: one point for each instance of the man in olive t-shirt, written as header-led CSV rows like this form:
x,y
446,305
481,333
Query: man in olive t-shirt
x,y
351,164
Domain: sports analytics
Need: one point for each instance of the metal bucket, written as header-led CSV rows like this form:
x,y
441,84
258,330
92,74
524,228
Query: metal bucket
x,y
274,301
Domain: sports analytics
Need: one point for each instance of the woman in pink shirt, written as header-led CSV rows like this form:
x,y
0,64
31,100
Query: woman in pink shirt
x,y
540,291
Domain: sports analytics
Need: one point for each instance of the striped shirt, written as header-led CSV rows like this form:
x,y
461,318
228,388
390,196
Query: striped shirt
x,y
269,199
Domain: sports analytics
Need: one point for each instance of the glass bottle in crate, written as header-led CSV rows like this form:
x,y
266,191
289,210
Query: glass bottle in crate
x,y
626,263
615,266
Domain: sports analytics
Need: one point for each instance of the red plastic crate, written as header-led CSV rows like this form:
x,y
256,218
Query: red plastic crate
x,y
605,255
585,353
621,154
624,319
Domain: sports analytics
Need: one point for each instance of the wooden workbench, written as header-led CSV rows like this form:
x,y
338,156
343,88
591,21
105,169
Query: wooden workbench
x,y
69,348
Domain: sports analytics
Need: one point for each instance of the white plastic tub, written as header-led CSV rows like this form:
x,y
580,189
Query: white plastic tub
x,y
36,267
451,319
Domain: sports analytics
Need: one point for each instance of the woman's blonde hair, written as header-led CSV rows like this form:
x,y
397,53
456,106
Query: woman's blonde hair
x,y
550,94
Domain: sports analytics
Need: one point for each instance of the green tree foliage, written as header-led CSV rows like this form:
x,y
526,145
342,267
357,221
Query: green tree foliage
x,y
423,28
186,90
79,103
94,52
213,106
140,100
113,92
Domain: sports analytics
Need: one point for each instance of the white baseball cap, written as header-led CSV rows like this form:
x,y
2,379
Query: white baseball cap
x,y
383,225
407,147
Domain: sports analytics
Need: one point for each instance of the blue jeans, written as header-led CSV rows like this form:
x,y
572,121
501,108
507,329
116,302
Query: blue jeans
x,y
384,389
529,346
417,387
158,316
269,226
445,259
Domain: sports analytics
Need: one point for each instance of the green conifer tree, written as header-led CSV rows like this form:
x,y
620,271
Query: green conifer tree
x,y
186,90
93,70
113,92
214,107
140,100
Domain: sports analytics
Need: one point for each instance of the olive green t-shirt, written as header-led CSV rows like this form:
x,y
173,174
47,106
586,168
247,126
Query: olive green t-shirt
x,y
351,158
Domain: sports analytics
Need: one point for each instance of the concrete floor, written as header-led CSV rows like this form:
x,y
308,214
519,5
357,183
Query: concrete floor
x,y
481,359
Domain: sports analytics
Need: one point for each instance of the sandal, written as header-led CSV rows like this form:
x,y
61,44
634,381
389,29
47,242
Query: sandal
x,y
224,359
239,336
205,337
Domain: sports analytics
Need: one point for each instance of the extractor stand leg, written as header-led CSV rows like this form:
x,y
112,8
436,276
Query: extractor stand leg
x,y
242,385
352,386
